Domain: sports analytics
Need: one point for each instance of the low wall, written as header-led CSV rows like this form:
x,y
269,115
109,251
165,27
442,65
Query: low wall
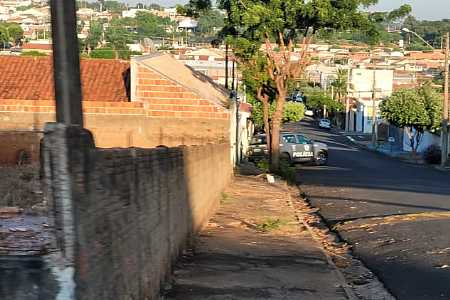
x,y
113,124
134,209
19,146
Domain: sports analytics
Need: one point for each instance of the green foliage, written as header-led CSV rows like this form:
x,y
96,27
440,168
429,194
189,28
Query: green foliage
x,y
340,83
10,33
33,53
263,165
270,224
416,110
104,53
108,53
24,7
316,98
210,22
194,8
224,198
149,25
431,31
114,6
95,35
288,172
293,112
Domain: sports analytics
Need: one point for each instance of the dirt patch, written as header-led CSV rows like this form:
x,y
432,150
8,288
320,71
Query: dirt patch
x,y
20,187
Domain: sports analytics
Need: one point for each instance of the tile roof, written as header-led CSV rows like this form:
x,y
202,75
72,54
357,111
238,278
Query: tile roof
x,y
31,78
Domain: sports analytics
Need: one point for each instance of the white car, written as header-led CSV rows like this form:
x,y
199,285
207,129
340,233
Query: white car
x,y
325,124
309,113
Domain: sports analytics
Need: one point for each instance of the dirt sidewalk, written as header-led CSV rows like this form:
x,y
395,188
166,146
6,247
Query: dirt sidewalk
x,y
256,247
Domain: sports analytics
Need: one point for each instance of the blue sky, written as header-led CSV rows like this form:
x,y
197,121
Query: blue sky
x,y
422,9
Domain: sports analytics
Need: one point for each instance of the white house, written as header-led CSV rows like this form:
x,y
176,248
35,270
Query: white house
x,y
363,84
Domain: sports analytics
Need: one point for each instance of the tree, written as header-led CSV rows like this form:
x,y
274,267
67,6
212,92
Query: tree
x,y
150,25
10,33
95,35
416,110
194,8
287,23
210,22
340,84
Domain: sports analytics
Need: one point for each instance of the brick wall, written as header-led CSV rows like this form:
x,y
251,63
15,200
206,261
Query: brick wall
x,y
113,124
166,98
13,143
134,209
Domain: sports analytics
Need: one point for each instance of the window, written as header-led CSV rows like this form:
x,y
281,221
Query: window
x,y
289,139
258,140
303,140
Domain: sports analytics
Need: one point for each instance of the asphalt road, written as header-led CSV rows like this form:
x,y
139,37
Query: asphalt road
x,y
396,215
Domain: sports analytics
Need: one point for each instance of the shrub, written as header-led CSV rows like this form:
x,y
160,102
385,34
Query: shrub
x,y
263,165
432,155
288,172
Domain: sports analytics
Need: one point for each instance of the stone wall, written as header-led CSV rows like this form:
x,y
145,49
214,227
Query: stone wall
x,y
134,209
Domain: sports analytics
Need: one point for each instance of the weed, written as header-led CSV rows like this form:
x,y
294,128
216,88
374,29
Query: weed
x,y
270,224
263,165
288,172
224,198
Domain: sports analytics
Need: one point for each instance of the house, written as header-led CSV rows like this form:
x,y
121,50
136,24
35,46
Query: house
x,y
366,83
210,62
152,100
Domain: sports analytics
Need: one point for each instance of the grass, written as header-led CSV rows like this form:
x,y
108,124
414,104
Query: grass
x,y
270,225
224,198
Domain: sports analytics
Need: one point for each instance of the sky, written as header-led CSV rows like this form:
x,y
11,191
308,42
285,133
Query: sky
x,y
422,9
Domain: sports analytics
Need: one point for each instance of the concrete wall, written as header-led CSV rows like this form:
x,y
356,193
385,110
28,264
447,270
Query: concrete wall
x,y
428,139
134,209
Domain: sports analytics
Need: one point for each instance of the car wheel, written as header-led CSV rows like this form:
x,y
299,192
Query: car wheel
x,y
322,158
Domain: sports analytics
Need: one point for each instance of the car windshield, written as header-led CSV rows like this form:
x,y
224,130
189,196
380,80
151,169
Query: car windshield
x,y
296,139
258,140
303,140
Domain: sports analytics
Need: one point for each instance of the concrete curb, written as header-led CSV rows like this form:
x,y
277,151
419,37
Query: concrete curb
x,y
364,147
345,286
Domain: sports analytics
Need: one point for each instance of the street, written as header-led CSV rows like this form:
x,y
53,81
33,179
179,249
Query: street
x,y
395,215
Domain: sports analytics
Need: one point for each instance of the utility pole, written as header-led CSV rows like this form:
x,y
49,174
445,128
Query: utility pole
x,y
66,63
444,130
226,64
347,99
232,75
374,110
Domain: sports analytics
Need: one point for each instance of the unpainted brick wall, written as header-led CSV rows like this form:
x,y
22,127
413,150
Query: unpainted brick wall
x,y
12,143
136,211
113,124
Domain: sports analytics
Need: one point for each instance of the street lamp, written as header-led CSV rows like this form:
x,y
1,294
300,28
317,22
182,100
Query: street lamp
x,y
410,31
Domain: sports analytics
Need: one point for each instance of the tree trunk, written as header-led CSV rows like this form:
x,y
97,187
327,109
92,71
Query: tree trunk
x,y
276,123
266,110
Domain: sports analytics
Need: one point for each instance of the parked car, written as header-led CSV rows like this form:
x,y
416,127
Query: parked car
x,y
294,148
309,113
258,149
325,124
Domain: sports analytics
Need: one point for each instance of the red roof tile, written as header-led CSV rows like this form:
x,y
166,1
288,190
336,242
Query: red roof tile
x,y
31,78
32,46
